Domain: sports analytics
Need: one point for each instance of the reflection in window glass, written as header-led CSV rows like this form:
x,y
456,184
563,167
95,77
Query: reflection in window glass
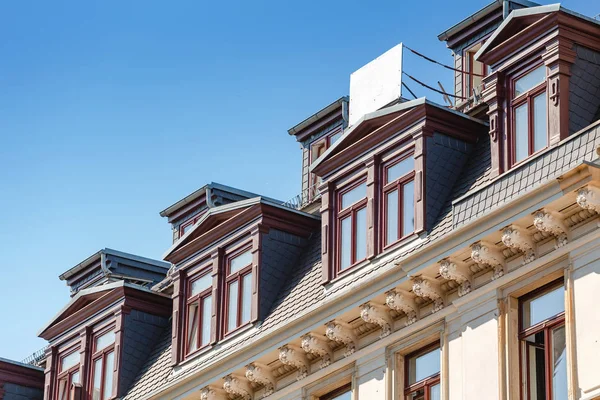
x,y
108,375
75,377
521,133
559,364
424,366
543,307
334,138
192,327
540,129
239,262
530,80
105,340
246,297
354,195
232,307
69,361
391,217
408,208
97,379
400,169
201,284
346,243
206,320
435,393
361,234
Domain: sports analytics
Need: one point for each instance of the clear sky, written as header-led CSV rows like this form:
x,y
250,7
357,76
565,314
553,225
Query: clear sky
x,y
110,111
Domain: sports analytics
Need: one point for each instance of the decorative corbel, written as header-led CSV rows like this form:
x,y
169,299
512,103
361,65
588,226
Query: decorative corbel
x,y
212,393
485,253
518,238
316,344
261,375
237,386
552,222
589,198
428,289
378,315
294,357
342,332
457,271
403,302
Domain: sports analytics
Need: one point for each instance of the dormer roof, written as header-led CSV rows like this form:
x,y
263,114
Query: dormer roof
x,y
338,110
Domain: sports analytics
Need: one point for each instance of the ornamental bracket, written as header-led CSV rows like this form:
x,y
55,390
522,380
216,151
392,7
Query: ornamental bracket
x,y
589,198
485,253
212,393
457,271
403,302
342,332
551,222
317,345
261,374
427,288
518,238
294,357
378,315
237,386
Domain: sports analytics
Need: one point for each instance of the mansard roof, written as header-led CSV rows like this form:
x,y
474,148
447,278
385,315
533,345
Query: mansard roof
x,y
525,21
220,221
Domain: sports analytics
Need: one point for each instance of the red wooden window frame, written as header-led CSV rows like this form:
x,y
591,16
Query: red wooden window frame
x,y
546,326
197,299
468,78
238,277
388,187
349,212
68,374
186,224
428,382
326,140
515,102
102,354
347,388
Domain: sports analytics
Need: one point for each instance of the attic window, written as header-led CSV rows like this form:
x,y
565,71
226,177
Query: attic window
x,y
103,362
199,311
399,199
352,225
68,373
473,71
238,290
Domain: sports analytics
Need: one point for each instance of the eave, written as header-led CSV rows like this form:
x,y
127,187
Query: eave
x,y
330,111
21,374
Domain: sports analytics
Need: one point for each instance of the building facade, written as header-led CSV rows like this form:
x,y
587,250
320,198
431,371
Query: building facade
x,y
434,252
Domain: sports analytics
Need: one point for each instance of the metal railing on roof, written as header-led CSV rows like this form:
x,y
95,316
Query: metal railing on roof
x,y
36,357
303,199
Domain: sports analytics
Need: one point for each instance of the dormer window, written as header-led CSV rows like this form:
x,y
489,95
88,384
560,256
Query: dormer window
x,y
352,225
68,373
103,362
199,311
474,71
399,198
238,289
529,114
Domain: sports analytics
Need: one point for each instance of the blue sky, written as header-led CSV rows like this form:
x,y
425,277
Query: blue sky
x,y
110,111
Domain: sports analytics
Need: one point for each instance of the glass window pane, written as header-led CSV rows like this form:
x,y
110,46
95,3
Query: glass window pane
x,y
97,379
559,365
108,375
417,395
434,394
206,320
408,208
105,340
62,389
361,234
400,169
391,217
232,306
521,133
75,377
424,366
540,130
334,138
192,336
69,361
544,306
354,195
346,243
246,297
187,228
530,80
536,366
241,261
201,284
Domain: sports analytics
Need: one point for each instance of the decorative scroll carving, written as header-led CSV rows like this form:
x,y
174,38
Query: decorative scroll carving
x,y
211,393
457,271
426,288
589,198
518,238
294,357
403,302
378,315
551,222
342,332
237,386
485,253
317,344
261,374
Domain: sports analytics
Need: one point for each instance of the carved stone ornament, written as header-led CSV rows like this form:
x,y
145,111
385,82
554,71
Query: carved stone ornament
x,y
456,271
518,238
378,315
342,332
485,253
403,302
551,222
294,357
237,386
427,289
317,344
261,375
211,393
589,198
